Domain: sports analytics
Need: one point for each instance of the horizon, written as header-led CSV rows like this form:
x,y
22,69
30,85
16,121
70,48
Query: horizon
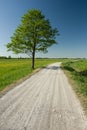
x,y
10,57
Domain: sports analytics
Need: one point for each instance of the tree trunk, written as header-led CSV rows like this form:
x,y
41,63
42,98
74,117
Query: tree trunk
x,y
33,57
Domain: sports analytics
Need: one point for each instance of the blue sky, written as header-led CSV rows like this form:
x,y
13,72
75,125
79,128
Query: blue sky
x,y
69,16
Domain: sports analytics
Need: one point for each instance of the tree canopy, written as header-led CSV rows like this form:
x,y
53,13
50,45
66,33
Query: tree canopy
x,y
35,33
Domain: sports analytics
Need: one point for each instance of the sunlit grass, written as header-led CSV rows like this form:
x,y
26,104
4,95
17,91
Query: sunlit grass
x,y
77,73
12,70
80,65
78,70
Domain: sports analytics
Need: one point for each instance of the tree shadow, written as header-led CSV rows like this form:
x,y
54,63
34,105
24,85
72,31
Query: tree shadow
x,y
69,68
83,73
53,67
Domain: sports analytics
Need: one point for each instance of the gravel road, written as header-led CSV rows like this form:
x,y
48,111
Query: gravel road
x,y
45,101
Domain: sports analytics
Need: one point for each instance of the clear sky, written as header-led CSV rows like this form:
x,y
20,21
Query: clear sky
x,y
69,16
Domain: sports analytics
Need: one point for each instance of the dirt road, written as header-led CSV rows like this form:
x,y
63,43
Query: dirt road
x,y
45,101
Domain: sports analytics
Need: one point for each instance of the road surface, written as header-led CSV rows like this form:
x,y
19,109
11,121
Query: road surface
x,y
45,101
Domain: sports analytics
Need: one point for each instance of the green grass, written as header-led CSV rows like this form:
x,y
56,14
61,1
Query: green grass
x,y
12,70
79,65
78,70
77,73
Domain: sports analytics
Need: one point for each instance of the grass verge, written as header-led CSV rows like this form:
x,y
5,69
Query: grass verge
x,y
77,75
14,71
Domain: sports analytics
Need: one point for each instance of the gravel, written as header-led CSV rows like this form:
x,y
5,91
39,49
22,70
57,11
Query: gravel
x,y
45,101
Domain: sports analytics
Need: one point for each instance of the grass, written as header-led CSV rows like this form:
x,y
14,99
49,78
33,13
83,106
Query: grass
x,y
12,70
77,73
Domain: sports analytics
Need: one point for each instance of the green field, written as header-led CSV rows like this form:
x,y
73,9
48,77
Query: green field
x,y
76,70
12,70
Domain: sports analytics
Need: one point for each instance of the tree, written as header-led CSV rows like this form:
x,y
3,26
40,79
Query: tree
x,y
33,34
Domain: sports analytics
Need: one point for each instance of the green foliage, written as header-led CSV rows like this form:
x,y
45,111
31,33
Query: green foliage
x,y
35,33
3,57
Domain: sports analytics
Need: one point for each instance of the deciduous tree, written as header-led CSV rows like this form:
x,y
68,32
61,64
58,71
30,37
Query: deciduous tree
x,y
35,33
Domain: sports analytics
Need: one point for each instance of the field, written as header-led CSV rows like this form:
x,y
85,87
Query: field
x,y
77,73
12,70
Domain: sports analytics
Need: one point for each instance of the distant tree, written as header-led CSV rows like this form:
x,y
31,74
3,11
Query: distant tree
x,y
3,57
9,57
33,34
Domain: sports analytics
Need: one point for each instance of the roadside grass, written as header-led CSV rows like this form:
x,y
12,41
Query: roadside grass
x,y
11,70
77,73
